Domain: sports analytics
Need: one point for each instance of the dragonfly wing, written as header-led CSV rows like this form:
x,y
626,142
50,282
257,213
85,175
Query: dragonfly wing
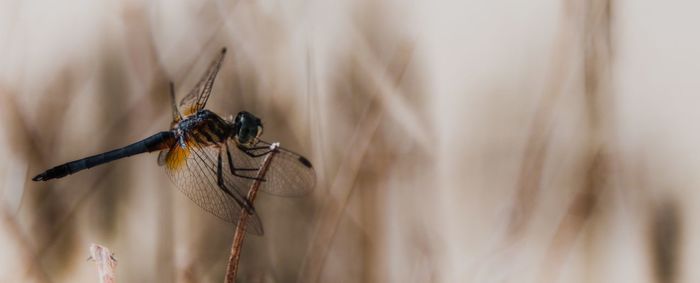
x,y
289,174
194,172
197,98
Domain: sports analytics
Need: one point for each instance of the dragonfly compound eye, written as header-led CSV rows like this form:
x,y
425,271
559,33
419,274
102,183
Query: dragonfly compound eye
x,y
248,128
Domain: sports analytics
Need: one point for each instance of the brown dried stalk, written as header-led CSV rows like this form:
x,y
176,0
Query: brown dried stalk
x,y
596,24
239,235
368,125
106,263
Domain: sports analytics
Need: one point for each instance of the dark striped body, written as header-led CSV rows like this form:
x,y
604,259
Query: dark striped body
x,y
155,142
204,128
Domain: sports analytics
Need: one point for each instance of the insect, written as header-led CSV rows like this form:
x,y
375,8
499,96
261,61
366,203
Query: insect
x,y
212,160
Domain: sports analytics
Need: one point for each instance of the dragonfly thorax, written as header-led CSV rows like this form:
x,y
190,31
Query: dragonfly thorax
x,y
204,127
208,128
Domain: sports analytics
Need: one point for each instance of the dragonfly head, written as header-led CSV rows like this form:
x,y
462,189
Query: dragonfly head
x,y
247,128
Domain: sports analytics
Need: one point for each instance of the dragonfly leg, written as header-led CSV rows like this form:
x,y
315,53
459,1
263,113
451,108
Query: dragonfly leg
x,y
250,151
245,203
234,170
232,167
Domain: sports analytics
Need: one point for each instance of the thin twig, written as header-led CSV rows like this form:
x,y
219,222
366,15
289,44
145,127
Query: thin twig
x,y
239,235
106,263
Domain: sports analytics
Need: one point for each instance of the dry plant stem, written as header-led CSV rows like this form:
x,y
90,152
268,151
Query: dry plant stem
x,y
34,269
665,239
239,235
578,213
106,263
333,209
536,148
595,39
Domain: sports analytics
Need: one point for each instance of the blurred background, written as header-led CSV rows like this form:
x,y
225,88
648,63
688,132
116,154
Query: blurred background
x,y
454,141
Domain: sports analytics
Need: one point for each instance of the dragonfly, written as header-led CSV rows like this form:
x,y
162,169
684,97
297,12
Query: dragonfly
x,y
210,159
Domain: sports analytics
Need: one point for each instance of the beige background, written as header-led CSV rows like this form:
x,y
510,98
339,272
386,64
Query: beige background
x,y
454,141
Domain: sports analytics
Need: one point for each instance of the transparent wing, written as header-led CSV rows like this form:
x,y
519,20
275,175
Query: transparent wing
x,y
289,174
197,98
194,172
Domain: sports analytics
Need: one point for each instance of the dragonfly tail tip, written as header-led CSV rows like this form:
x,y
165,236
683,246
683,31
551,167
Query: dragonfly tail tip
x,y
40,177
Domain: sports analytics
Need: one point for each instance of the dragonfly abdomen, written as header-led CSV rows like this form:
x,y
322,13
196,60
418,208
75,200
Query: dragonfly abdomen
x,y
155,142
